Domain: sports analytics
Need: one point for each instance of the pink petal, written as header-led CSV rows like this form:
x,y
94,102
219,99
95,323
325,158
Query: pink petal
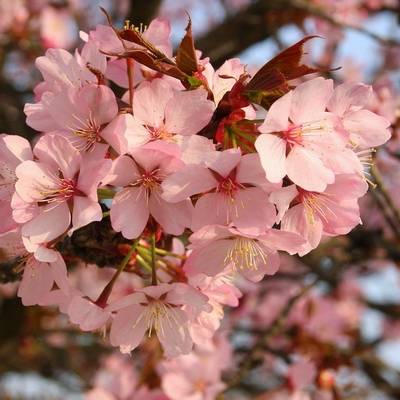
x,y
158,33
14,149
347,96
347,187
87,315
282,199
173,217
270,267
309,100
129,212
306,170
59,271
52,221
250,171
296,220
190,180
280,239
6,217
224,162
187,112
123,172
84,212
173,333
242,211
37,281
367,129
91,174
128,327
150,101
59,153
32,177
210,259
277,119
272,152
125,133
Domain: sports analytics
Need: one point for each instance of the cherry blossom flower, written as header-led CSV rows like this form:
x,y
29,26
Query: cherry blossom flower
x,y
217,247
13,150
297,132
81,114
141,177
58,180
366,128
332,212
233,186
161,113
166,309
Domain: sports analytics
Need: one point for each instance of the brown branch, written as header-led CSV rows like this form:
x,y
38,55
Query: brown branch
x,y
261,20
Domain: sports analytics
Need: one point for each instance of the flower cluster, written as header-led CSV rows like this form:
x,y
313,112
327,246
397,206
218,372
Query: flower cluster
x,y
204,174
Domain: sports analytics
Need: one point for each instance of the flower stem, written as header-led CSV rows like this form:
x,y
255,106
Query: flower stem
x,y
153,259
129,64
102,299
105,193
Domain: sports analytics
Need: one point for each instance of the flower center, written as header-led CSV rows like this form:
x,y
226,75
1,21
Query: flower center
x,y
157,314
298,134
63,192
316,205
159,133
245,253
89,132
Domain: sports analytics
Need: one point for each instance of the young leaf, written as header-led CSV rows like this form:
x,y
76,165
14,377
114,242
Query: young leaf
x,y
281,69
186,53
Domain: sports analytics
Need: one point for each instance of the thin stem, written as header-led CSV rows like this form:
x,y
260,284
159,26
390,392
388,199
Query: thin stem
x,y
102,300
129,64
153,259
143,263
103,194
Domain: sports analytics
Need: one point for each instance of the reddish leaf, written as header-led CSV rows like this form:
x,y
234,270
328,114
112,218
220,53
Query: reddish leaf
x,y
186,53
134,36
282,68
164,65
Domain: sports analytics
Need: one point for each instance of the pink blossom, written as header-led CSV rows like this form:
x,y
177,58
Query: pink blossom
x,y
58,180
80,114
332,212
141,178
166,309
13,150
197,376
161,113
222,80
217,247
57,28
220,291
38,279
296,134
233,186
85,313
366,128
158,33
62,71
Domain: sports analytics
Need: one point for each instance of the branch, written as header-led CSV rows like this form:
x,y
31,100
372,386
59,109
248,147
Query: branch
x,y
261,20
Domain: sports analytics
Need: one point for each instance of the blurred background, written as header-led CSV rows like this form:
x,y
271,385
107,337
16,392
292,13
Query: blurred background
x,y
42,356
